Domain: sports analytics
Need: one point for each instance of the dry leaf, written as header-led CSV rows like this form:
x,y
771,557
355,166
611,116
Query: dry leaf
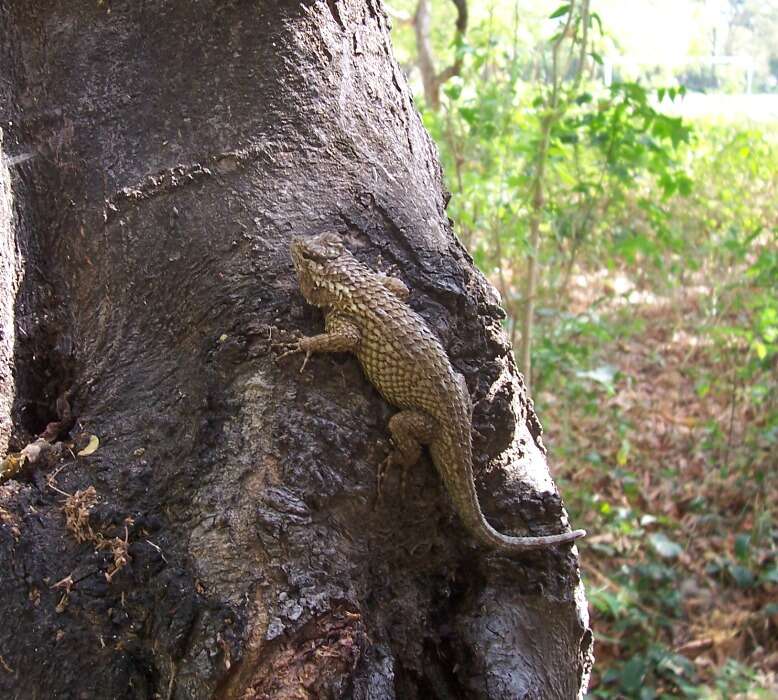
x,y
91,447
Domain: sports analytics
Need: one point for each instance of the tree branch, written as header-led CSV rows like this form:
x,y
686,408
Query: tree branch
x,y
432,80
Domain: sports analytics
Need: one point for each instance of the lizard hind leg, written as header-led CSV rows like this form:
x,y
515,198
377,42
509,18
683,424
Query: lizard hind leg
x,y
410,430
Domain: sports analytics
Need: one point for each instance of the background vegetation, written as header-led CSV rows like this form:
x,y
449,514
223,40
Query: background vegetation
x,y
635,250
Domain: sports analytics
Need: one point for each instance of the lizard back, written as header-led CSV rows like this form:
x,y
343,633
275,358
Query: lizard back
x,y
406,363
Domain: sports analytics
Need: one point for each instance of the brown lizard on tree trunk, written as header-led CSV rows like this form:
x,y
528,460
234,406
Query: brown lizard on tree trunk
x,y
367,314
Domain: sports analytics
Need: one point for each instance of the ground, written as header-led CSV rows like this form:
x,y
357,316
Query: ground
x,y
666,457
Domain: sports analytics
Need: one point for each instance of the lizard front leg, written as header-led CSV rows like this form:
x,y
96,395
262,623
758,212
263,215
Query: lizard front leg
x,y
410,431
340,336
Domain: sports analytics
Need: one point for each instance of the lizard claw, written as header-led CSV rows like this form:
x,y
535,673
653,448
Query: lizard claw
x,y
293,349
381,476
383,468
305,361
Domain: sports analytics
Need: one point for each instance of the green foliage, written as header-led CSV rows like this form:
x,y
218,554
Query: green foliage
x,y
609,148
655,358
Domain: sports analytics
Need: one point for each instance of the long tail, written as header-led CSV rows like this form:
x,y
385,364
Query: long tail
x,y
455,467
486,534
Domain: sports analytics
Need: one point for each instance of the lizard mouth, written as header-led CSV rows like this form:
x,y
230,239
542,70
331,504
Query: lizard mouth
x,y
302,255
297,249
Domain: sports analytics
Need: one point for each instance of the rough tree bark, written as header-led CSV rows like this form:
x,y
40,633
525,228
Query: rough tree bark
x,y
156,159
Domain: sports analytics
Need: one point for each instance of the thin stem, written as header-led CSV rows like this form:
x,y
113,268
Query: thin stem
x,y
552,115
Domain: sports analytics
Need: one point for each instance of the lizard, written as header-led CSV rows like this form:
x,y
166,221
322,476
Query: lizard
x,y
367,314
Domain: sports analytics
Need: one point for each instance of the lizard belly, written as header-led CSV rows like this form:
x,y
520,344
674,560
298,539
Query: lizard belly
x,y
393,379
402,382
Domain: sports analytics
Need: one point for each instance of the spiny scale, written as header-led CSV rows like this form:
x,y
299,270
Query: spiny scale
x,y
366,314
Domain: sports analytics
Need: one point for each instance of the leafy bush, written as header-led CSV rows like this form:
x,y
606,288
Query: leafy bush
x,y
655,342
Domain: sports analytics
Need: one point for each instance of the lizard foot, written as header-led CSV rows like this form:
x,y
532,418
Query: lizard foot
x,y
293,348
380,477
383,468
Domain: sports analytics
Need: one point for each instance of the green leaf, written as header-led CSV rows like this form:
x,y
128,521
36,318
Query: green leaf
x,y
632,674
596,57
453,89
684,185
469,114
742,576
742,546
770,576
664,546
606,603
561,10
623,454
595,17
647,693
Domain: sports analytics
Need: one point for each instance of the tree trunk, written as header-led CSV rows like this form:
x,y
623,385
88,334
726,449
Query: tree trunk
x,y
223,539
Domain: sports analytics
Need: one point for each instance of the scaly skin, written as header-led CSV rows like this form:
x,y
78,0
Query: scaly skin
x,y
366,314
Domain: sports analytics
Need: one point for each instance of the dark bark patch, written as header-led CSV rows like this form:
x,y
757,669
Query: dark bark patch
x,y
316,661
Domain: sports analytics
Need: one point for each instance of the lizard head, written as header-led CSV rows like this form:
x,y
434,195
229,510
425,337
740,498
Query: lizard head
x,y
315,262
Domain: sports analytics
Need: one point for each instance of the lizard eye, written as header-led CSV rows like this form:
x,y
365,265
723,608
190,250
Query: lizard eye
x,y
326,246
